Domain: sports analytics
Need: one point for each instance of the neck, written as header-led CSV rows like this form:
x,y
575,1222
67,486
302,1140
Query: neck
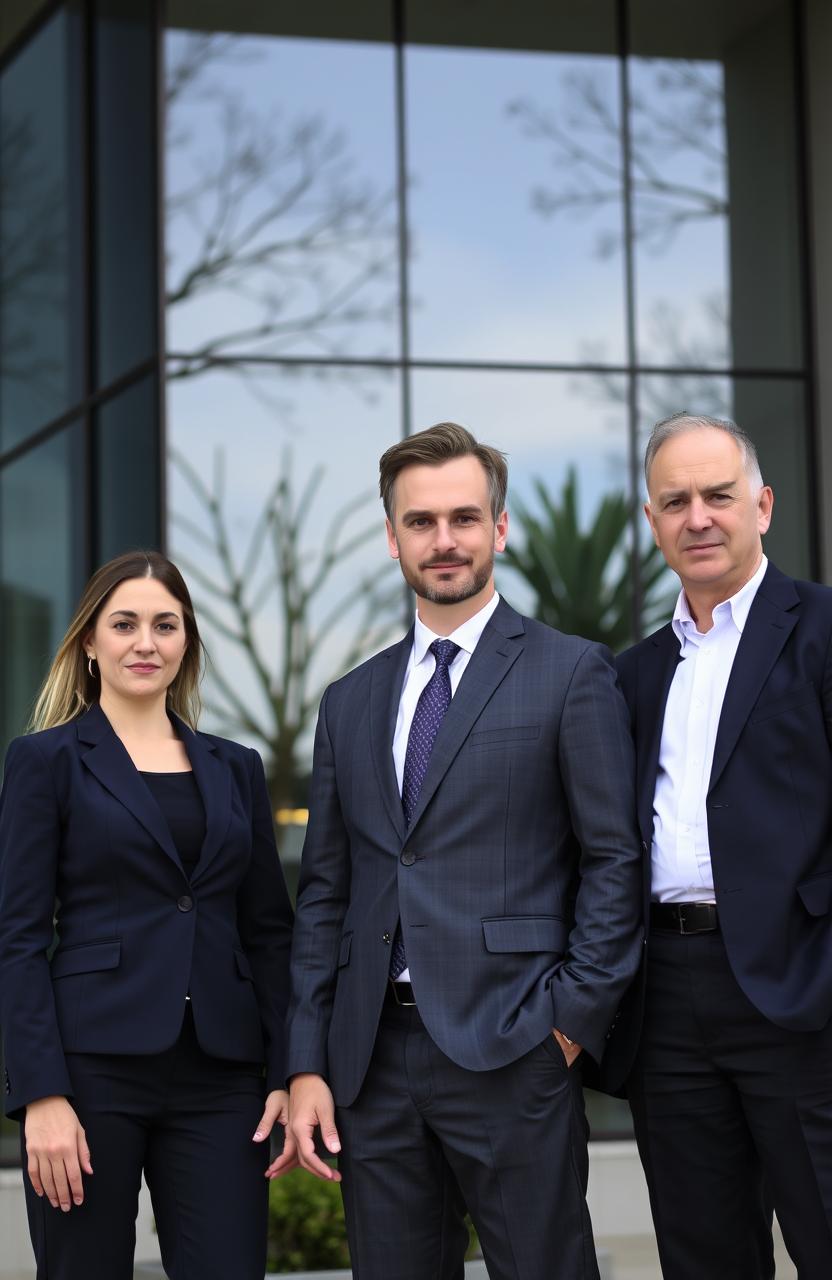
x,y
131,718
704,599
442,619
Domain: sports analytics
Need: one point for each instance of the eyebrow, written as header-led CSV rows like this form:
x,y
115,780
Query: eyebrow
x,y
131,613
471,510
667,494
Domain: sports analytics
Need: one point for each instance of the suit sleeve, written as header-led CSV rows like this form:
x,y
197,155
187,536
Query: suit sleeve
x,y
30,842
323,897
597,765
264,919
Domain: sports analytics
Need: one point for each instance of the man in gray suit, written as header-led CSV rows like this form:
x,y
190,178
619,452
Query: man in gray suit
x,y
469,905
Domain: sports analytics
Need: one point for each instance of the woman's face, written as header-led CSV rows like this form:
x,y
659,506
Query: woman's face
x,y
139,640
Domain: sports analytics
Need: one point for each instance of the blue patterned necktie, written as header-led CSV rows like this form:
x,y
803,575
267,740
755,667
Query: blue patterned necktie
x,y
434,701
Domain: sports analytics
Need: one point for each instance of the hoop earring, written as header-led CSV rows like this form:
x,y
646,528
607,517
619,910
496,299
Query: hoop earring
x,y
90,661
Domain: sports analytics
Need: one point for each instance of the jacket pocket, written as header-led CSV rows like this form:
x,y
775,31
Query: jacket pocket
x,y
525,933
816,894
509,733
804,693
87,957
243,966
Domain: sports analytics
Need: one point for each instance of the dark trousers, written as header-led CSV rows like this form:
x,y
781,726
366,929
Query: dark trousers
x,y
425,1135
733,1117
187,1120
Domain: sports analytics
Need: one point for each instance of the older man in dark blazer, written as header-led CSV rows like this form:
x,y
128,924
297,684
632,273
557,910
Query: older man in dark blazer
x,y
731,706
469,901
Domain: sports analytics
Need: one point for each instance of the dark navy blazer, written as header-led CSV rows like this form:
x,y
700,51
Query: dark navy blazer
x,y
78,824
518,880
769,801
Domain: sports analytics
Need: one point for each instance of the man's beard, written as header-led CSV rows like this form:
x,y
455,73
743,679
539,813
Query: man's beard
x,y
449,592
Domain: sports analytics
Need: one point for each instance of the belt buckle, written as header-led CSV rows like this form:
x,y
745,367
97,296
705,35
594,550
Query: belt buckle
x,y
693,908
405,1004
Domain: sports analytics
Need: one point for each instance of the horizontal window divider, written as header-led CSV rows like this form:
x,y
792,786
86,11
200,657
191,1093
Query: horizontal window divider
x,y
78,410
486,366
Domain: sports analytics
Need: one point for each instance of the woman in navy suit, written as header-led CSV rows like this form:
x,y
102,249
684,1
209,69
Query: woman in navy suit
x,y
151,1039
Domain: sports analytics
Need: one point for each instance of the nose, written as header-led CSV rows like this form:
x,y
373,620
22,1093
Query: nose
x,y
444,538
144,641
698,515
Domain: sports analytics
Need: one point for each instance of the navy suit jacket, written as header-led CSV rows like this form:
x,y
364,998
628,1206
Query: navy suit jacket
x,y
517,882
769,801
78,824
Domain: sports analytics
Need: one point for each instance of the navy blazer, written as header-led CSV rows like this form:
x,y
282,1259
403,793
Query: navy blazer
x,y
78,824
769,800
517,881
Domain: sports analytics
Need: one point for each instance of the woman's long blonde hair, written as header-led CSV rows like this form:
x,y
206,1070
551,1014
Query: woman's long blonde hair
x,y
69,689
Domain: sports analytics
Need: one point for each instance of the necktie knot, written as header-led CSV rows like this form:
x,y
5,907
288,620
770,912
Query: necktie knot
x,y
444,651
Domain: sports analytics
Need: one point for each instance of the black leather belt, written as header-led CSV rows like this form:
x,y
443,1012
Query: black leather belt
x,y
400,993
684,917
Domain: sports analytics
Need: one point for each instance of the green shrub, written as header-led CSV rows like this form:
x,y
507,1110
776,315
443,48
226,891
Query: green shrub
x,y
306,1224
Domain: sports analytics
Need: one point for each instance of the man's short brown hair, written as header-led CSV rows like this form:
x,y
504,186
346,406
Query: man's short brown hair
x,y
438,444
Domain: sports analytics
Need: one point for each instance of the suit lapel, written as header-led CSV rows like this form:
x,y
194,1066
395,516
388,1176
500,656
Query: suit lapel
x,y
771,620
498,649
658,660
385,692
108,760
213,778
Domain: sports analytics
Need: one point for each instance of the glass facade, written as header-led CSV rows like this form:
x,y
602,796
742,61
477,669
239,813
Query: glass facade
x,y
243,252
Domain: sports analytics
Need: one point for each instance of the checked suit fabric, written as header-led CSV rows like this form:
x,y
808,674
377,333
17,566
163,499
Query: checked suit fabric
x,y
434,701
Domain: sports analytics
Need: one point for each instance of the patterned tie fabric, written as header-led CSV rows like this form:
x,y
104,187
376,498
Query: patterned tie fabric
x,y
434,701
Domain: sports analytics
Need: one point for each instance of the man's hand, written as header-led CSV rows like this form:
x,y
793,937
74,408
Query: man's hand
x,y
311,1106
571,1050
57,1152
276,1111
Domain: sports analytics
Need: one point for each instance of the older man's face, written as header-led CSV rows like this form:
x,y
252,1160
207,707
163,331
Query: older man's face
x,y
704,515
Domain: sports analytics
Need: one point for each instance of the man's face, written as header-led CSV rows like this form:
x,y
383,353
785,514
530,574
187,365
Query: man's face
x,y
442,532
702,511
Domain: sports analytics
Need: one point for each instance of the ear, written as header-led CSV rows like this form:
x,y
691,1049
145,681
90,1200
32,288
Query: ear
x,y
652,523
765,506
501,532
87,645
392,544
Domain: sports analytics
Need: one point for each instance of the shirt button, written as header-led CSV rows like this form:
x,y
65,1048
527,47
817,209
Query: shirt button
x,y
408,858
185,903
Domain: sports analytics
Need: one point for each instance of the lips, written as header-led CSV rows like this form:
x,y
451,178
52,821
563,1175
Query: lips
x,y
143,667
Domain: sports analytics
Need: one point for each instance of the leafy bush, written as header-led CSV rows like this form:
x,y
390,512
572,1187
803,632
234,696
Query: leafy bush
x,y
306,1224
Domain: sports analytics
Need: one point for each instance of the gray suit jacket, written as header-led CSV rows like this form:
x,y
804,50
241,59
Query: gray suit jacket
x,y
518,882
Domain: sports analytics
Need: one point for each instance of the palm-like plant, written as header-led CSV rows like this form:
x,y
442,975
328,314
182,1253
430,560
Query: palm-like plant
x,y
582,579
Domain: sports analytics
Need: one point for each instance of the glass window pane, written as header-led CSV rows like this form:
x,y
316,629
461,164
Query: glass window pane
x,y
127,472
281,205
41,353
125,186
566,440
715,183
275,521
773,412
41,505
515,200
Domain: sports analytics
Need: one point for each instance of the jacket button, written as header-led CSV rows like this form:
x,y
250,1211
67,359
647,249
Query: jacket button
x,y
185,903
408,858
385,937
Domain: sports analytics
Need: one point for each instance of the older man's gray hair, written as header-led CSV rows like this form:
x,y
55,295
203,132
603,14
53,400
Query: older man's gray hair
x,y
678,423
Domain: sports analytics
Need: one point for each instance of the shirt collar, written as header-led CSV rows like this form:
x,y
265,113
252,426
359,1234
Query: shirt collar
x,y
466,636
737,606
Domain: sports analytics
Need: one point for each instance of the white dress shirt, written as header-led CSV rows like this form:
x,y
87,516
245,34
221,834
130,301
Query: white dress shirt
x,y
681,856
420,668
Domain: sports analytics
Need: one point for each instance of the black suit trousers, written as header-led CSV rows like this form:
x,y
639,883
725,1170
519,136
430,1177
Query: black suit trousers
x,y
512,1141
733,1116
187,1121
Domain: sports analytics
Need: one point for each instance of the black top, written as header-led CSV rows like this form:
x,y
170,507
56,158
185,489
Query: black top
x,y
177,795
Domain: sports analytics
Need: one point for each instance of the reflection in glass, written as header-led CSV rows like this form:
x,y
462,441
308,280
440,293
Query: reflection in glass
x,y
515,205
773,412
40,354
280,208
127,472
39,564
275,520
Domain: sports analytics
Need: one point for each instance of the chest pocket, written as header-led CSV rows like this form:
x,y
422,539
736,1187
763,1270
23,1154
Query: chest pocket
x,y
481,739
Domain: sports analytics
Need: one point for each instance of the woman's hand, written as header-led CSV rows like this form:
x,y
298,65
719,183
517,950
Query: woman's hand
x,y
57,1152
277,1112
